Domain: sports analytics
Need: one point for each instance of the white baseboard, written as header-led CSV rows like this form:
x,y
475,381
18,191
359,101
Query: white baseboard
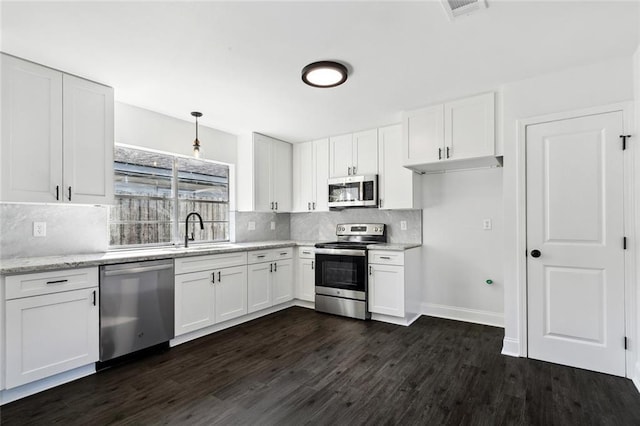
x,y
636,377
495,319
304,304
405,321
10,395
510,347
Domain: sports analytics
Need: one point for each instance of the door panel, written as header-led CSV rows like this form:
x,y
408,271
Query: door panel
x,y
259,286
194,299
340,155
231,293
575,219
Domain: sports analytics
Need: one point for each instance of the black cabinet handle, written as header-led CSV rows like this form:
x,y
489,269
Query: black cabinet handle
x,y
439,153
94,298
314,205
271,267
213,278
370,273
447,152
275,267
312,264
57,192
535,253
219,276
385,257
276,205
57,282
69,193
272,205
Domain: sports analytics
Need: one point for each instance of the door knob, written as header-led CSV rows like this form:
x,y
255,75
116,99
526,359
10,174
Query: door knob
x,y
535,253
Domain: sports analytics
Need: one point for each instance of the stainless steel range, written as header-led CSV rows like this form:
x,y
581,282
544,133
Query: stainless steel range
x,y
341,270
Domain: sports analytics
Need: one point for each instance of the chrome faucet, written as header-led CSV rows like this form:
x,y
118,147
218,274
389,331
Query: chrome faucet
x,y
186,228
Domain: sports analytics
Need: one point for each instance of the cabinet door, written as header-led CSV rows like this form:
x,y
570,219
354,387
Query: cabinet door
x,y
50,334
303,176
282,281
321,175
305,285
262,173
31,147
88,141
386,290
397,186
194,301
469,127
365,152
281,164
340,155
230,293
423,137
259,286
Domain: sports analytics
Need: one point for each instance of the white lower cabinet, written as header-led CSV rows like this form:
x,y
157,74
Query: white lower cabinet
x,y
386,289
306,274
212,295
270,278
394,285
52,332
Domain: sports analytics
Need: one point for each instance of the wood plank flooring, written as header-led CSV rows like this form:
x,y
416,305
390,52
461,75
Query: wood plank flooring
x,y
300,367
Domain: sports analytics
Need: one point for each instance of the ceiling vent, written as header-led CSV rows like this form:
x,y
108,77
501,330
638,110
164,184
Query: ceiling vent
x,y
455,8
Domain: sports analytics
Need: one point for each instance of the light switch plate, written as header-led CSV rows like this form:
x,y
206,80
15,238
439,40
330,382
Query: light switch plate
x,y
39,229
403,225
273,226
252,226
486,224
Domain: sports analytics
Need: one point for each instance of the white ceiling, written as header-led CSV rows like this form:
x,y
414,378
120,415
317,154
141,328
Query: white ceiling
x,y
240,62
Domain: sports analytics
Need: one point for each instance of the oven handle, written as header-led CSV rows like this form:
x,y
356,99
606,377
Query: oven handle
x,y
341,252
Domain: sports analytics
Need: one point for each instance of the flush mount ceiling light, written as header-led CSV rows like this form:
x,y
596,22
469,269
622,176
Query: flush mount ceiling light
x,y
196,143
324,74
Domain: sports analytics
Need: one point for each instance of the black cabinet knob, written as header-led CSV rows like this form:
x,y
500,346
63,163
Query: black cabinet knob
x,y
535,253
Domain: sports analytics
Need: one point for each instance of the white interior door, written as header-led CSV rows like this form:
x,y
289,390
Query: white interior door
x,y
575,221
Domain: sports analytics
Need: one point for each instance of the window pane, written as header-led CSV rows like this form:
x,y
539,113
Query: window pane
x,y
124,234
202,180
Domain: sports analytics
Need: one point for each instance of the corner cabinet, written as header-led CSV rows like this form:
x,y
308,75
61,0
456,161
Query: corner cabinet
x,y
51,321
398,187
453,135
273,162
57,136
310,174
354,154
270,278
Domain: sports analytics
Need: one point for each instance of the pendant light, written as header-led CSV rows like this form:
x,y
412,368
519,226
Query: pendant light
x,y
324,74
196,143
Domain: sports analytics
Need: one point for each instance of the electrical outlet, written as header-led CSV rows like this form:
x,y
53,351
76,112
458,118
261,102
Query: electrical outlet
x,y
486,224
273,226
252,226
403,225
39,229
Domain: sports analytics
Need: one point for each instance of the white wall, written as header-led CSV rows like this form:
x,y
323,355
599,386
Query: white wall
x,y
458,254
636,141
141,127
598,84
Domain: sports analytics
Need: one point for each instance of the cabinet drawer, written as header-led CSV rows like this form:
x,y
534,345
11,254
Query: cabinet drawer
x,y
306,252
259,256
283,253
214,261
386,257
26,285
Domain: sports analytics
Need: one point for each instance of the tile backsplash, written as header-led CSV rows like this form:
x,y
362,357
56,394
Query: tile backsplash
x,y
321,226
70,229
262,223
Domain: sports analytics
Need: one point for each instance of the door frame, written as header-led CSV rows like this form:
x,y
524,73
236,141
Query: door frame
x,y
629,223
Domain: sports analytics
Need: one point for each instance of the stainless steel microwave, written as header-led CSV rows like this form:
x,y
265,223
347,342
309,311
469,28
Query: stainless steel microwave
x,y
353,191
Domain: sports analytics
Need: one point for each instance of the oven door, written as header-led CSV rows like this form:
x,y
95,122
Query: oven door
x,y
341,273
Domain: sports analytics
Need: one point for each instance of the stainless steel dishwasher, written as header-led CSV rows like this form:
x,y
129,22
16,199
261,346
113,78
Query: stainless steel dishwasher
x,y
136,307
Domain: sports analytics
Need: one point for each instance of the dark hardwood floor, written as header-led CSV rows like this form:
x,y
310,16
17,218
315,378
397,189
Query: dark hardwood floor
x,y
300,367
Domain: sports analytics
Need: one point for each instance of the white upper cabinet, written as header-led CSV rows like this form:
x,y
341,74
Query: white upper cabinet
x,y
354,154
273,161
453,135
88,141
398,187
310,174
57,136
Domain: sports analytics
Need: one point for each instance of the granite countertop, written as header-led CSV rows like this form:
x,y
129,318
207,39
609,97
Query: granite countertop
x,y
49,263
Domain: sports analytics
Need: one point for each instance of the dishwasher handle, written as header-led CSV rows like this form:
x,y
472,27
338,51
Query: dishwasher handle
x,y
136,270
